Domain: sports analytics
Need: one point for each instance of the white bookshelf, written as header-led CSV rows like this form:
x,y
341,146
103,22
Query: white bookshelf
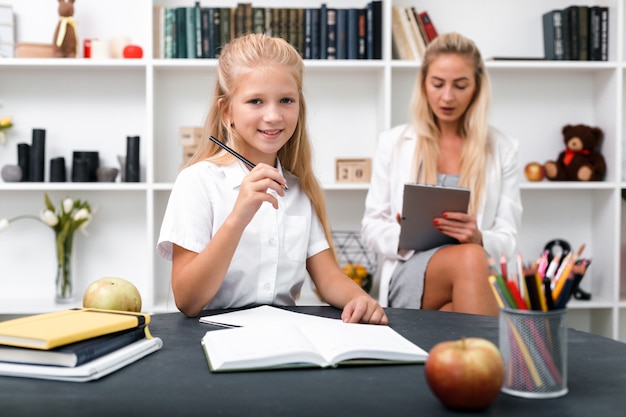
x,y
94,104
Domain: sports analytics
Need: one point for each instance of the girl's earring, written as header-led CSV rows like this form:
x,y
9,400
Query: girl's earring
x,y
232,125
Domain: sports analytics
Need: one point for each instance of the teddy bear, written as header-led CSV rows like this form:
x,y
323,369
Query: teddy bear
x,y
65,42
581,160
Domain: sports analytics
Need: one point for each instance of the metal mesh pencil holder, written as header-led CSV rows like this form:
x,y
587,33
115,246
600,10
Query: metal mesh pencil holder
x,y
534,348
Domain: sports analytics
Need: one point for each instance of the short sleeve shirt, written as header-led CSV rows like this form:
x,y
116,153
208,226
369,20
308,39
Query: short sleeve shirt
x,y
269,264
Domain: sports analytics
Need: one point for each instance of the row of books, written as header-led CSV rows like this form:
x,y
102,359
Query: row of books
x,y
74,345
577,33
411,32
324,32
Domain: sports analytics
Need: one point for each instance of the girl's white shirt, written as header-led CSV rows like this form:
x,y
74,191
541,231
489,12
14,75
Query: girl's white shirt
x,y
269,264
499,216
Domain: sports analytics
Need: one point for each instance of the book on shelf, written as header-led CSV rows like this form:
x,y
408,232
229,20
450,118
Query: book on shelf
x,y
598,33
553,35
399,40
374,29
416,33
272,338
572,32
331,33
342,33
58,328
158,32
428,25
362,34
88,371
181,32
583,33
73,354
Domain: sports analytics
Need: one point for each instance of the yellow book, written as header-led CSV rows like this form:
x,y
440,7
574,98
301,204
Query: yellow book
x,y
58,328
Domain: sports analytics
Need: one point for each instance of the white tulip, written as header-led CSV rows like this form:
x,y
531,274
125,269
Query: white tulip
x,y
49,218
81,214
68,204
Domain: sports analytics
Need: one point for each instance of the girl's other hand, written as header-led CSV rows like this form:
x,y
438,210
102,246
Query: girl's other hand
x,y
364,309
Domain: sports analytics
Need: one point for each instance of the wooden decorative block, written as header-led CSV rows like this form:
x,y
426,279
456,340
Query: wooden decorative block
x,y
190,135
353,170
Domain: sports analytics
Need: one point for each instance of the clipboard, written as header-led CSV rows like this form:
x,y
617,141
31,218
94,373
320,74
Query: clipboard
x,y
421,204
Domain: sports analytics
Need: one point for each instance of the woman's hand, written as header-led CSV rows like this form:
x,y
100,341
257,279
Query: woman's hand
x,y
363,309
254,191
460,226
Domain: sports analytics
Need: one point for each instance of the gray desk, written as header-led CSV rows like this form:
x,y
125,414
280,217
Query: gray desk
x,y
175,381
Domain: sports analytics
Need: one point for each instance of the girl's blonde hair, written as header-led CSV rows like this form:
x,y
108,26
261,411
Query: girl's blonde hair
x,y
474,122
238,58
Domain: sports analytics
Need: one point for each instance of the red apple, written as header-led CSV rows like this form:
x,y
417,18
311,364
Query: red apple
x,y
534,171
112,293
465,374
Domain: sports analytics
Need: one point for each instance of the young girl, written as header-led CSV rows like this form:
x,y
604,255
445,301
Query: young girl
x,y
450,143
239,236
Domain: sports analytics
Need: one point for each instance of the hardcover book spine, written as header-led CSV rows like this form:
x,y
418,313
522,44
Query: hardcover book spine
x,y
169,47
181,32
308,33
571,15
342,33
583,33
429,26
198,28
553,35
604,34
353,34
190,26
258,20
323,31
215,39
226,26
331,39
375,29
362,34
594,33
205,23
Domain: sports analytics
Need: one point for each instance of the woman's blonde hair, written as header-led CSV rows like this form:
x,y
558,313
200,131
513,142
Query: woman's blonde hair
x,y
474,122
238,58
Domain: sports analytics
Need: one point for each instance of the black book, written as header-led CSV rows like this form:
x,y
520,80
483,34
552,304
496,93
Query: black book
x,y
323,31
571,18
604,34
342,33
73,354
553,35
362,34
375,30
353,34
331,33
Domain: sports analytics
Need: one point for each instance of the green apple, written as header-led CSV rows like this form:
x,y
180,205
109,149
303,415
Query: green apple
x,y
112,293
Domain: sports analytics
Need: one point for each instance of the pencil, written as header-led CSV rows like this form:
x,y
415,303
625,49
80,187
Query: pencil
x,y
241,158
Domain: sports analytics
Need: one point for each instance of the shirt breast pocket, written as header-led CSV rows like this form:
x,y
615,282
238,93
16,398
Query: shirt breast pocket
x,y
295,238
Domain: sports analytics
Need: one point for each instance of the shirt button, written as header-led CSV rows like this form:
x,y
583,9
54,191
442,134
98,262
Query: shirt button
x,y
266,286
272,242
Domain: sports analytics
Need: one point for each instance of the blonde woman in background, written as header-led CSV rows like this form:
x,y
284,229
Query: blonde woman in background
x,y
448,142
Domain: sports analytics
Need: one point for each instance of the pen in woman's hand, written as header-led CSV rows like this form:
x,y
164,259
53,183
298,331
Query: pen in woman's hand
x,y
241,158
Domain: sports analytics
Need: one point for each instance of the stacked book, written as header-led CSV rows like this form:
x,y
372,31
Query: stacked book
x,y
198,31
576,33
411,32
7,32
74,345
